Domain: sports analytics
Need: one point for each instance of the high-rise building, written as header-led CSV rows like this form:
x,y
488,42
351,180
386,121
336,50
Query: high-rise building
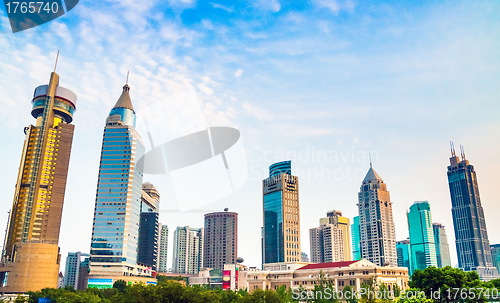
x,y
356,239
376,224
304,257
119,200
422,245
220,239
442,248
72,272
188,250
471,237
495,254
403,251
331,241
30,256
281,230
147,253
163,249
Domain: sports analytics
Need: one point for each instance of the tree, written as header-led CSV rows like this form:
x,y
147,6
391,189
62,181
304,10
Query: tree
x,y
121,285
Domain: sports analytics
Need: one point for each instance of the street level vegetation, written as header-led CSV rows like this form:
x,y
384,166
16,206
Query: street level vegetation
x,y
426,286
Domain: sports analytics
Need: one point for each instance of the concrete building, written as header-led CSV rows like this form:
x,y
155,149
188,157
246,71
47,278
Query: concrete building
x,y
188,250
442,247
339,274
119,201
163,250
281,230
220,239
72,272
30,256
471,236
331,241
376,224
422,245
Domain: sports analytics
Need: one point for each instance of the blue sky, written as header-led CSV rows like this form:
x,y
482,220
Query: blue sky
x,y
322,83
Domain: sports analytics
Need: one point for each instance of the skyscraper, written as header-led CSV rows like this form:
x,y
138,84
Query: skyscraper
x,y
30,256
281,230
356,239
403,251
495,254
147,253
471,237
422,245
376,225
442,248
163,249
72,272
188,250
220,239
117,214
331,241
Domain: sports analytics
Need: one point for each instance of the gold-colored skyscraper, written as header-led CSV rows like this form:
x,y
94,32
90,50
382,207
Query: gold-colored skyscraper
x,y
30,257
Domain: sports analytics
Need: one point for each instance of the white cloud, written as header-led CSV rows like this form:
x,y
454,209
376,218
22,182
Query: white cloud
x,y
270,5
238,73
255,111
336,6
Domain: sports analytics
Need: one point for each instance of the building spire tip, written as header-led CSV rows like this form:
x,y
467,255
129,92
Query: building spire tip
x,y
57,58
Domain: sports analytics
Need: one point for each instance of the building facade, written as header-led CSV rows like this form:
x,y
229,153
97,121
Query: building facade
x,y
442,247
356,239
281,230
422,245
495,254
30,256
163,249
338,274
72,272
403,251
376,224
188,250
330,242
149,229
220,239
119,199
471,236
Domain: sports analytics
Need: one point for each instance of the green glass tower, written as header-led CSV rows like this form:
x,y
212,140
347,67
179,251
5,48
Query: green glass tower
x,y
356,251
422,245
403,250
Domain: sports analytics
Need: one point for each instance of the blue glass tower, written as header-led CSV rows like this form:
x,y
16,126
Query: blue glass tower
x,y
356,239
471,237
442,247
403,251
115,232
422,245
281,230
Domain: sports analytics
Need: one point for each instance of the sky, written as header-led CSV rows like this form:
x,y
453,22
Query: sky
x,y
326,84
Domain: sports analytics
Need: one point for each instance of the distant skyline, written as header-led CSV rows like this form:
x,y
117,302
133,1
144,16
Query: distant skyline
x,y
322,83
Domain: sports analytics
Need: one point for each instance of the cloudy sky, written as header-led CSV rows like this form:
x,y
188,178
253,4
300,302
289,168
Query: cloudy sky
x,y
324,83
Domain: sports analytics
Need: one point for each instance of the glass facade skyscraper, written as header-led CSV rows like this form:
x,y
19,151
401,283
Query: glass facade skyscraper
x,y
495,254
471,236
30,256
442,247
376,224
422,245
356,250
115,232
403,251
281,230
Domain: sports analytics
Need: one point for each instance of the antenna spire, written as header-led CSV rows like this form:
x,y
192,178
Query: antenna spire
x,y
57,58
452,146
370,155
462,152
126,82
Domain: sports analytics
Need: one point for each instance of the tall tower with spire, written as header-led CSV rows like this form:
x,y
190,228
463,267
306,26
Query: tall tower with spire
x,y
30,256
115,232
376,224
471,237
